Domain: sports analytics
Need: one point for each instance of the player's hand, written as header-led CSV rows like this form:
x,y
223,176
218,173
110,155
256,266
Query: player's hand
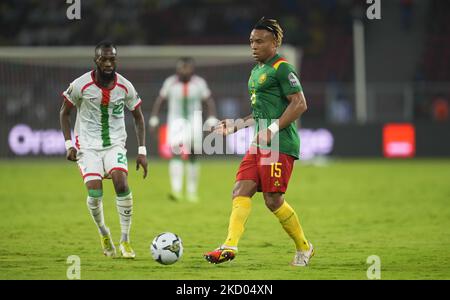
x,y
224,127
71,154
141,160
153,123
264,137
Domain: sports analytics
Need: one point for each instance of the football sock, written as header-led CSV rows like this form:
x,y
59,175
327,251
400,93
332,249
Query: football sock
x,y
289,220
192,177
176,175
239,215
95,206
124,204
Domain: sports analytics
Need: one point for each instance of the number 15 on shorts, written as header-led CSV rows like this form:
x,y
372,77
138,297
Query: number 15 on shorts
x,y
275,170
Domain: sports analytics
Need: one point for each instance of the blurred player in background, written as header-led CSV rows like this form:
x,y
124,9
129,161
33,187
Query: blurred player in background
x,y
276,97
185,93
100,97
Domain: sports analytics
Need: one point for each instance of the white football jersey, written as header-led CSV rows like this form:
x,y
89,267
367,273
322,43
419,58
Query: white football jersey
x,y
100,121
184,118
184,97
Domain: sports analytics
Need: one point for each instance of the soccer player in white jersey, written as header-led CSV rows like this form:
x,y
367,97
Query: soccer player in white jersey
x,y
185,93
100,97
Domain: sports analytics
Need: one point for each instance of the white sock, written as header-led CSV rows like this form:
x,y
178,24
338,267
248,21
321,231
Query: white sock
x,y
176,175
95,206
192,178
125,209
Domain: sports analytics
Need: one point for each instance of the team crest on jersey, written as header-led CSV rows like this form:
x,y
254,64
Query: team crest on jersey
x,y
293,80
262,78
276,183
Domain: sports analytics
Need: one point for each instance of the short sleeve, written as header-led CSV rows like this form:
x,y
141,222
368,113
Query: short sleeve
x,y
288,79
204,89
164,92
132,101
73,94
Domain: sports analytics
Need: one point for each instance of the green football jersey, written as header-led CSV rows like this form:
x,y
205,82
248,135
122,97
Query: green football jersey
x,y
268,86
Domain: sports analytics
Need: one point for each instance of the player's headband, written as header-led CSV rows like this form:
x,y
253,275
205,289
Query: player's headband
x,y
265,27
261,25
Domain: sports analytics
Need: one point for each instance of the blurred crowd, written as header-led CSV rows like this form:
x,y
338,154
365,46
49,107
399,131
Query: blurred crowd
x,y
322,28
35,22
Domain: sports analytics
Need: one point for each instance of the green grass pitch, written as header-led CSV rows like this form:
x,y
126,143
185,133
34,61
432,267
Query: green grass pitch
x,y
349,209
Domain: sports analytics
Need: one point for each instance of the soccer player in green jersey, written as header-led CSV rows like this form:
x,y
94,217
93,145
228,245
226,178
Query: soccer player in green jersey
x,y
277,99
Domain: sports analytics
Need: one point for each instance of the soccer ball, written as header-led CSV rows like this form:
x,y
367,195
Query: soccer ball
x,y
166,248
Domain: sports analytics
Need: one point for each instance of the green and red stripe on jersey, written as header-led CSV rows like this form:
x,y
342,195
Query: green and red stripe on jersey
x,y
104,106
185,99
278,62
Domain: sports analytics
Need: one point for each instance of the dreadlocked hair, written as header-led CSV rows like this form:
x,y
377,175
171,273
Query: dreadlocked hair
x,y
272,26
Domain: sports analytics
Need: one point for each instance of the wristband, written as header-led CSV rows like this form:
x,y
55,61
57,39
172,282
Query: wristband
x,y
154,121
68,145
274,128
142,150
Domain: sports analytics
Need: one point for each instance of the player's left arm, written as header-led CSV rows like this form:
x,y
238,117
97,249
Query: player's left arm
x,y
133,103
210,106
208,100
293,91
139,125
211,120
297,106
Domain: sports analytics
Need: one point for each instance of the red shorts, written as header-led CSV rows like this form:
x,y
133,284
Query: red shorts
x,y
270,170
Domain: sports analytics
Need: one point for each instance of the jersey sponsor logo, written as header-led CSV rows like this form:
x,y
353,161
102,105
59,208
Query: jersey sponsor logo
x,y
293,80
262,78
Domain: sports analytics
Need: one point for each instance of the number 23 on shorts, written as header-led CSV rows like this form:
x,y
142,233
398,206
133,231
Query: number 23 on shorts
x,y
121,158
275,170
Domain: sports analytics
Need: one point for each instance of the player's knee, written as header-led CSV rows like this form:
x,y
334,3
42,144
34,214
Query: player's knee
x,y
245,188
273,201
121,187
94,185
235,192
239,190
94,198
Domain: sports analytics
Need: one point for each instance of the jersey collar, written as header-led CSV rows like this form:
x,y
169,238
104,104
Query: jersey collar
x,y
273,59
99,86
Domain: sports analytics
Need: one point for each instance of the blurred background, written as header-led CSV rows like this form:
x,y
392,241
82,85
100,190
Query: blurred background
x,y
375,88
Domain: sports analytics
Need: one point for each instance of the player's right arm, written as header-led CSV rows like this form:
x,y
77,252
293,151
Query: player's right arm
x,y
72,97
64,120
226,127
154,120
